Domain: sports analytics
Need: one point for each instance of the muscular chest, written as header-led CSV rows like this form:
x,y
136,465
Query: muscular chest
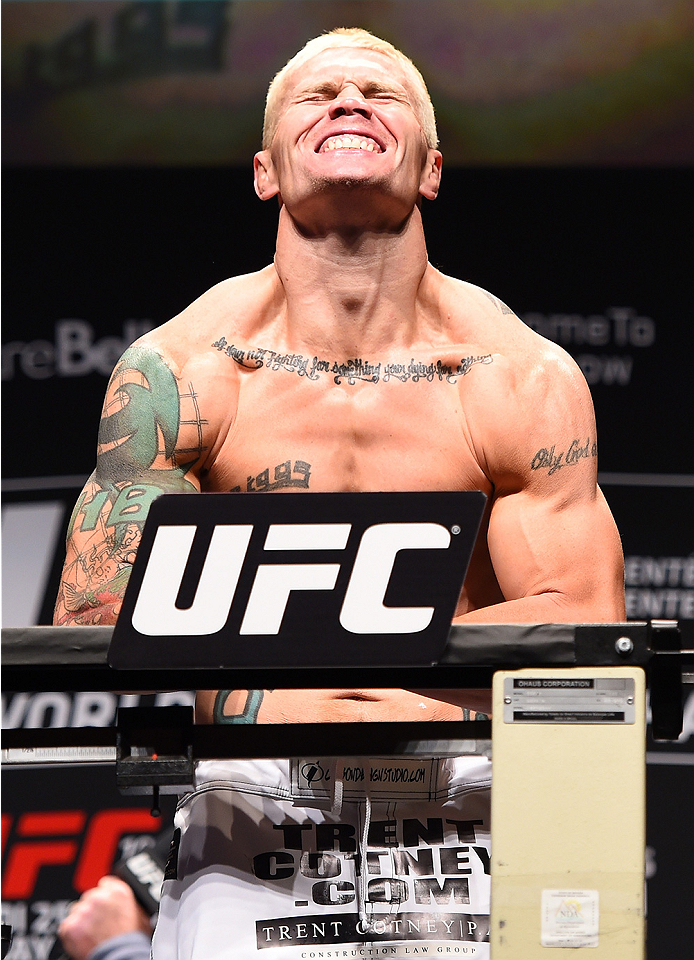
x,y
355,426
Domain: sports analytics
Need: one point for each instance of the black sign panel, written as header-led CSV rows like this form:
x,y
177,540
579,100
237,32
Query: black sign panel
x,y
324,579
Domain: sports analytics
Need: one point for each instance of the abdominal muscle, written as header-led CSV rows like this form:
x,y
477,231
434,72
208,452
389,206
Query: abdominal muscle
x,y
335,705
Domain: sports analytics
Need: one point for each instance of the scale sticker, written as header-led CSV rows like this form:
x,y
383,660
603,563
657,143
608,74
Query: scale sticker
x,y
570,918
565,699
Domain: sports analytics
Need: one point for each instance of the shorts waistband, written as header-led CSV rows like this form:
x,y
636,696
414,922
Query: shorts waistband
x,y
314,778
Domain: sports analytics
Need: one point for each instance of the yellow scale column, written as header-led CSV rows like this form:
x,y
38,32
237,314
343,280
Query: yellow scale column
x,y
568,819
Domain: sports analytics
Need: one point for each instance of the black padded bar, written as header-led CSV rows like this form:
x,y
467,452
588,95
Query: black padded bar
x,y
470,645
509,645
250,741
37,679
75,658
55,646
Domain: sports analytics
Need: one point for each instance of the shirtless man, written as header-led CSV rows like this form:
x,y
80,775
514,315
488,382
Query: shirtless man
x,y
351,364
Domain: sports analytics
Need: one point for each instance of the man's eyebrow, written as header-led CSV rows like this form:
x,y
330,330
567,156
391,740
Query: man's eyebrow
x,y
324,86
369,88
375,86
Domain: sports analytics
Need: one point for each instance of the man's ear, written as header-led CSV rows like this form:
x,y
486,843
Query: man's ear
x,y
264,176
431,175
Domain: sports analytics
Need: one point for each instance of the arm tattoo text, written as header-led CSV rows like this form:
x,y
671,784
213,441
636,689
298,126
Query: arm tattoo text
x,y
548,459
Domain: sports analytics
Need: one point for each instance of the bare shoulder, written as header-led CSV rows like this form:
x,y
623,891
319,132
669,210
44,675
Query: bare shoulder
x,y
237,305
527,365
533,396
183,373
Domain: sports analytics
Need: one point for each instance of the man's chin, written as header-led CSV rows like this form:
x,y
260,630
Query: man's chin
x,y
348,201
350,181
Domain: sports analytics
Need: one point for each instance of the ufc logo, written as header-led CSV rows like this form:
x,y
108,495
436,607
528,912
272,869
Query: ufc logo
x,y
63,838
363,609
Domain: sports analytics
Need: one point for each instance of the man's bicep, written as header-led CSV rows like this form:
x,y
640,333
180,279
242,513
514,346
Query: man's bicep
x,y
566,549
552,540
143,451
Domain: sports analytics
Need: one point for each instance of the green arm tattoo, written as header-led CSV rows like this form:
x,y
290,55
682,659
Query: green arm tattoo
x,y
129,429
249,714
140,456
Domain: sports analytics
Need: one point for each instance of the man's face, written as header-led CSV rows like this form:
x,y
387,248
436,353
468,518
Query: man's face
x,y
347,118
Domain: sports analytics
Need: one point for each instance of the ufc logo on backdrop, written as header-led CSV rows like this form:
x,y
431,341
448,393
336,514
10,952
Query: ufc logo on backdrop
x,y
296,580
86,842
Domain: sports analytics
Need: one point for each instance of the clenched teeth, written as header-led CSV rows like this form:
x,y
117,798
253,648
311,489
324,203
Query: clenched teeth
x,y
346,142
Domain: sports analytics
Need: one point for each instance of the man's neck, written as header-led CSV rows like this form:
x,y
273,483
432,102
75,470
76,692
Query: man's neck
x,y
356,291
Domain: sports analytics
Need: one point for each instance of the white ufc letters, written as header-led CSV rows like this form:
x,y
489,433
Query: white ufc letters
x,y
274,582
363,609
156,613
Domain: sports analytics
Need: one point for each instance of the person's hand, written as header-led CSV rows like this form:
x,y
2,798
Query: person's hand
x,y
105,911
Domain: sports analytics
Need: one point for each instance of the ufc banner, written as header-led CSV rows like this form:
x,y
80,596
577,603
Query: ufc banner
x,y
63,828
321,579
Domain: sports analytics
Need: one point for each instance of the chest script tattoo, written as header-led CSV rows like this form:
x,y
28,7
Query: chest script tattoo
x,y
351,371
551,461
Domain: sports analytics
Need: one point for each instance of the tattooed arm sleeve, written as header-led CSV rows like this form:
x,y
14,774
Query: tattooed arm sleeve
x,y
146,447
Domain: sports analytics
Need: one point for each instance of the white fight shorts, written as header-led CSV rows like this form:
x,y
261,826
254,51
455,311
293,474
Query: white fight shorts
x,y
319,859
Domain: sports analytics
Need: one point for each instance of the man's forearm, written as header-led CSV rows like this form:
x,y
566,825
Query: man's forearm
x,y
550,608
101,617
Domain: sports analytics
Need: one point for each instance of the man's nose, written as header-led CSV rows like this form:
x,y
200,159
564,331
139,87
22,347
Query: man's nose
x,y
347,104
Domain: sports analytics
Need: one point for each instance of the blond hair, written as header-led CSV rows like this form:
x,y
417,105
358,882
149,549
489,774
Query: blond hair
x,y
351,37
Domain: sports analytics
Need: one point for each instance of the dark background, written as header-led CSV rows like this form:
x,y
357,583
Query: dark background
x,y
109,246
